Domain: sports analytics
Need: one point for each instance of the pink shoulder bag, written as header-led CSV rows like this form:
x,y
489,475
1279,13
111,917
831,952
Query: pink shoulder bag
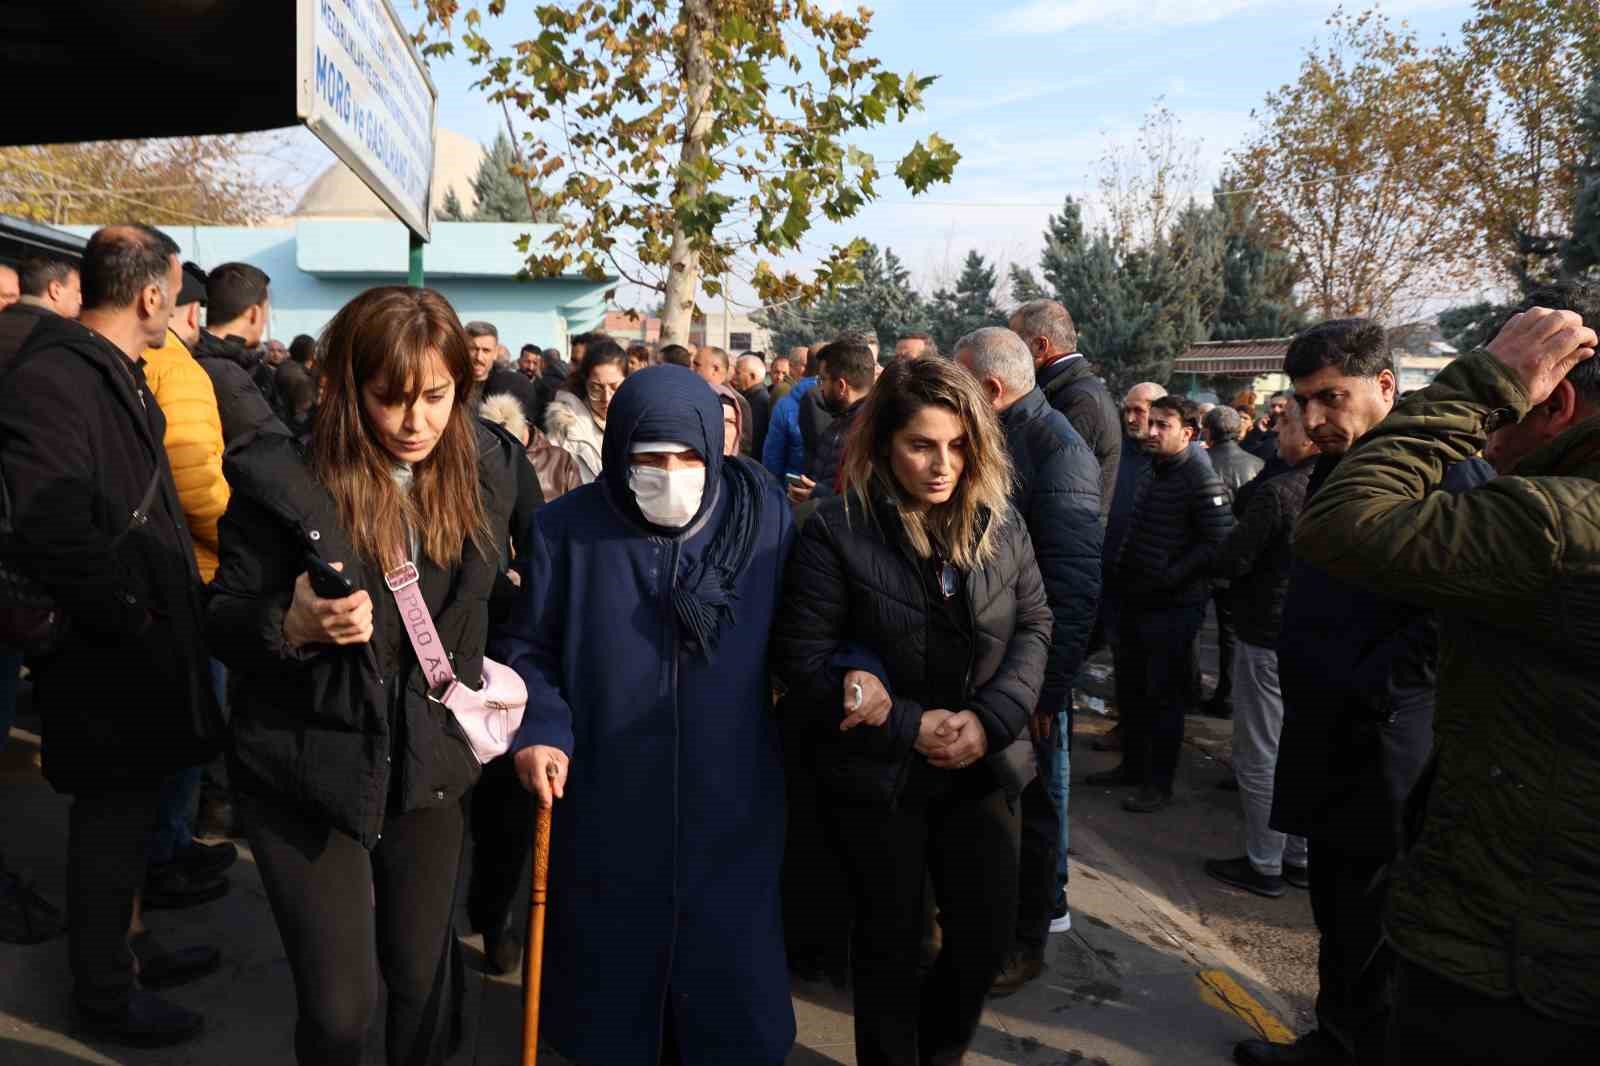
x,y
488,716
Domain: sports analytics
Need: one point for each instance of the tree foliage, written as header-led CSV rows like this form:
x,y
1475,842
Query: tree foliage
x,y
233,181
688,132
969,305
1517,82
1359,170
1258,275
880,301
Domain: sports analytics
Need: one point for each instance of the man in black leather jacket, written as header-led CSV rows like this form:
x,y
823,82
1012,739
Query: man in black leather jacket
x,y
1180,512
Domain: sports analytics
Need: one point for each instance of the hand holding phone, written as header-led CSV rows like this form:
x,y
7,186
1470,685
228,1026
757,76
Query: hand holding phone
x,y
326,581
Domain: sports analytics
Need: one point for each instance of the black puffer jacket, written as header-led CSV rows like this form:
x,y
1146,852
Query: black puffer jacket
x,y
1058,496
1235,466
1180,514
327,728
232,368
827,456
1259,551
853,586
1072,388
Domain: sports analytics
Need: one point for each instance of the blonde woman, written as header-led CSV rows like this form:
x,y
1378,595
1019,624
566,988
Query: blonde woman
x,y
915,629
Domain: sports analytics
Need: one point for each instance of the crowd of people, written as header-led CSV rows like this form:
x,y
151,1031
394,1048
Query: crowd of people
x,y
800,636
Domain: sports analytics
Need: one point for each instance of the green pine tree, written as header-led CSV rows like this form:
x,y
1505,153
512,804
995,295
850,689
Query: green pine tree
x,y
452,210
501,193
1580,253
970,306
881,302
1259,276
1025,287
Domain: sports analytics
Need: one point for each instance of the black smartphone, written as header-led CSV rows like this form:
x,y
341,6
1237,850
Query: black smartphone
x,y
326,581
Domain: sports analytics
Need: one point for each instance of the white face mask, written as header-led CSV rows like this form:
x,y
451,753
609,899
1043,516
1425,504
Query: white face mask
x,y
668,498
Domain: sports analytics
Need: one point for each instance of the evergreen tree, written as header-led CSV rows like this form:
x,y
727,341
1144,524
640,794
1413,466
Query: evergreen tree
x,y
1025,287
881,302
1580,253
452,210
501,194
970,306
1258,275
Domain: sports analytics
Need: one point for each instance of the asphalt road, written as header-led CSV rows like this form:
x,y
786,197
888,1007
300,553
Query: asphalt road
x,y
1277,936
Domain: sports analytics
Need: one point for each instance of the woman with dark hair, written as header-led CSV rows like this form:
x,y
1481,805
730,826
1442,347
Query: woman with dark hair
x,y
640,356
575,421
642,637
915,630
349,776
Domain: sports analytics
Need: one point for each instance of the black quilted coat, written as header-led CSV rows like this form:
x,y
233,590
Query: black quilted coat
x,y
1181,513
854,595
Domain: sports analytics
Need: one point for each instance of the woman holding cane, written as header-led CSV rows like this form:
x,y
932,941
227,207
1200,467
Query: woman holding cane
x,y
642,637
349,776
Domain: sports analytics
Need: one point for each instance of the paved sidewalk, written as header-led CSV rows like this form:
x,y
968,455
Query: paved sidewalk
x,y
1136,981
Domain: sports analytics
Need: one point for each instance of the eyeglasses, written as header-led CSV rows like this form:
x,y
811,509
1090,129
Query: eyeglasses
x,y
597,391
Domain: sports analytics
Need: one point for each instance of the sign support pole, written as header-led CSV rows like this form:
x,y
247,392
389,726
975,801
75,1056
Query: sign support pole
x,y
414,276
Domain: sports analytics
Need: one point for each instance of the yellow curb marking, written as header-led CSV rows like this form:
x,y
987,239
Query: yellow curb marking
x,y
1221,991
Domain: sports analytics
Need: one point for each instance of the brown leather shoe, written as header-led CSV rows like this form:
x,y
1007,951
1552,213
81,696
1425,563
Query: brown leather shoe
x,y
1023,967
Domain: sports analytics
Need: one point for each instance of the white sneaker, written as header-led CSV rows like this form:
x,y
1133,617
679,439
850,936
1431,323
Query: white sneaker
x,y
1062,924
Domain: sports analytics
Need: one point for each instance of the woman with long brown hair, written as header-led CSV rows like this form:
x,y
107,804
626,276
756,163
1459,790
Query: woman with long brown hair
x,y
349,776
915,630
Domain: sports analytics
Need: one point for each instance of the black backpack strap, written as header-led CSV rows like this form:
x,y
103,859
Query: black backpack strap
x,y
141,513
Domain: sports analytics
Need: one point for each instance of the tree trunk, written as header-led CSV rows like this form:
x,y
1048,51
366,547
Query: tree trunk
x,y
683,269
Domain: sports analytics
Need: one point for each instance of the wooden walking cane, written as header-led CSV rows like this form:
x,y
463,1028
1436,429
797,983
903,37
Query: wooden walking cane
x,y
533,959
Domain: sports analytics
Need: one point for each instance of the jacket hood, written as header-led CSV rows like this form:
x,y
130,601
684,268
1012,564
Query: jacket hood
x,y
231,348
661,403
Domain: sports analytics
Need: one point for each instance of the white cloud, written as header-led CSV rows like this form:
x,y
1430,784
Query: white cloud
x,y
1054,16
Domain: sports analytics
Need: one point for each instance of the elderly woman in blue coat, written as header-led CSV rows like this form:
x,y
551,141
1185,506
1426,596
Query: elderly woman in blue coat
x,y
642,635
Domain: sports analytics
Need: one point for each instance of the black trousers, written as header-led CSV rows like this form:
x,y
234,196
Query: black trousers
x,y
1355,966
1223,694
108,836
816,892
1038,885
501,819
340,909
1154,687
963,833
1437,1020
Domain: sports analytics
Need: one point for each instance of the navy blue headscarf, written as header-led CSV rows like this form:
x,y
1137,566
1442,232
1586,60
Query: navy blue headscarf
x,y
673,403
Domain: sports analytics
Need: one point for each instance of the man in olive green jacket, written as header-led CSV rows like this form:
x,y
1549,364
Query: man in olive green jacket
x,y
1495,909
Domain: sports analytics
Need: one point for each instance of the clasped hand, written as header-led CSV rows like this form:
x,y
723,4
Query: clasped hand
x,y
951,740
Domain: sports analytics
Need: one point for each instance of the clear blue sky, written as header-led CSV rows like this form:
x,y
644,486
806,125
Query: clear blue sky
x,y
1031,92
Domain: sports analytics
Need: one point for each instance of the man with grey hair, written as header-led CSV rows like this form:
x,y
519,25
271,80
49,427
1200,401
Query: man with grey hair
x,y
749,378
1237,468
1070,385
1057,492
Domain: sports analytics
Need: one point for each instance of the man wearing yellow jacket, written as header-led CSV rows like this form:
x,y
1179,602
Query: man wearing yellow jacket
x,y
194,429
182,871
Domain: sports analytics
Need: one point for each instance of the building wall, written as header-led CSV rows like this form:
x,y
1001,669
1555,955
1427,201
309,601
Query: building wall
x,y
317,267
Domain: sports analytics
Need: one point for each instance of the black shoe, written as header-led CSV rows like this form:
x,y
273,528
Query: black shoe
x,y
1112,741
1240,874
170,888
1313,1049
146,1021
1148,800
502,955
1111,778
25,916
1298,876
1023,967
205,861
161,968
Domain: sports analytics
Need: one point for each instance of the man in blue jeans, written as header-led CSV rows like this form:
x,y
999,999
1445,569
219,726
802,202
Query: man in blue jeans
x,y
1057,493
